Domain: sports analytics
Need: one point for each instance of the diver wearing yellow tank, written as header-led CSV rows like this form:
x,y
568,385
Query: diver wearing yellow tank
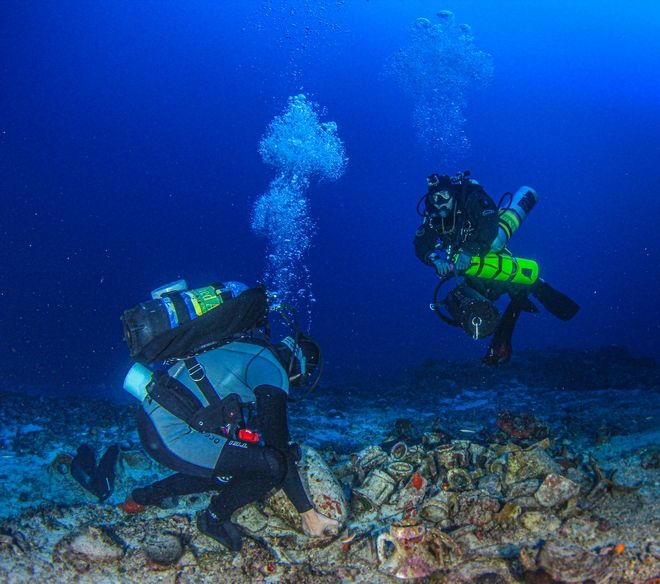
x,y
464,232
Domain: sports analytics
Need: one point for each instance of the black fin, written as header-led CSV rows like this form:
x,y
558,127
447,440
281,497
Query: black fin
x,y
555,302
103,480
526,305
83,466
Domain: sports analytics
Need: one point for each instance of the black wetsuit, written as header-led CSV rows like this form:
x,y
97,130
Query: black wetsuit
x,y
470,227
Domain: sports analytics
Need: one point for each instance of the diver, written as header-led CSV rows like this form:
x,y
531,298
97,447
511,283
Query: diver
x,y
461,224
219,420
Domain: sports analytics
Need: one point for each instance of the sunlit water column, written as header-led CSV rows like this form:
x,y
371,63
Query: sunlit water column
x,y
302,149
437,67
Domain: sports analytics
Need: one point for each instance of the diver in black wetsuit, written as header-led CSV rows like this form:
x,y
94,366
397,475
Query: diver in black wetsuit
x,y
461,221
240,446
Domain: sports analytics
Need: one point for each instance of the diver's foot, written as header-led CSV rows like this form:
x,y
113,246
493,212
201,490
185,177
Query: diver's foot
x,y
498,355
315,524
146,496
131,506
224,532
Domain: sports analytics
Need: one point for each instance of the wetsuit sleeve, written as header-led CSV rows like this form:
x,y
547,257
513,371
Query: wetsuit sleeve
x,y
482,213
424,242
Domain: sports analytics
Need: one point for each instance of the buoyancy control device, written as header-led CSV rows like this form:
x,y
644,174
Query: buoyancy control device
x,y
178,322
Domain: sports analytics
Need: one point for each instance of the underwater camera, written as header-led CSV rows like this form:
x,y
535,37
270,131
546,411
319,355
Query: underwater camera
x,y
468,309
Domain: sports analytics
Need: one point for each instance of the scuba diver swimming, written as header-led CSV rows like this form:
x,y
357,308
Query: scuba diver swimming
x,y
464,233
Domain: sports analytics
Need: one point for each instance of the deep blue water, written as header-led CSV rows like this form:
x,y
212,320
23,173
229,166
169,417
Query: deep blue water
x,y
129,139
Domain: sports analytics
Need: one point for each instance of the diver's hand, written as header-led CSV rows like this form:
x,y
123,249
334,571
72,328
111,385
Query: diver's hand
x,y
316,525
442,266
462,261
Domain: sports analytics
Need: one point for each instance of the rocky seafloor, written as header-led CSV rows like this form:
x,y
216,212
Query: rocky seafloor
x,y
547,470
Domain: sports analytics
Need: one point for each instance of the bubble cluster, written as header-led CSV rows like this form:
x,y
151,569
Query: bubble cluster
x,y
298,143
300,147
437,67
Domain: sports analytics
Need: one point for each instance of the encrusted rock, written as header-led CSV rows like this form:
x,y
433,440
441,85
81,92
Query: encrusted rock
x,y
529,464
491,484
570,563
163,548
323,489
523,488
555,490
475,508
83,549
539,522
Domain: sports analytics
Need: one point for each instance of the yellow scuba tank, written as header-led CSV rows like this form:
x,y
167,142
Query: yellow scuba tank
x,y
503,268
522,203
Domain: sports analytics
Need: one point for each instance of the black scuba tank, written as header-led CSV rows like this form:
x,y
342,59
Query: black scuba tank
x,y
179,322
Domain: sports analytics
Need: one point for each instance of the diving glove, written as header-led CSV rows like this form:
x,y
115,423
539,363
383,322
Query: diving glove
x,y
442,266
462,261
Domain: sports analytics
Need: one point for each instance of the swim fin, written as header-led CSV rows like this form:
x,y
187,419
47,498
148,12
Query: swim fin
x,y
103,480
555,302
83,466
98,480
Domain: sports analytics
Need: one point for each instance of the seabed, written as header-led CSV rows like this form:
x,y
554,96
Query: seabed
x,y
547,470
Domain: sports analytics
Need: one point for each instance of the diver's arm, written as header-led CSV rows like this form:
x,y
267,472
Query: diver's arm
x,y
424,243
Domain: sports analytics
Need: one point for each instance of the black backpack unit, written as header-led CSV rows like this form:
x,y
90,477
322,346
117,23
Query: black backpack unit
x,y
182,323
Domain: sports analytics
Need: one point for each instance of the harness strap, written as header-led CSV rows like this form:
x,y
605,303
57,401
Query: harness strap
x,y
198,375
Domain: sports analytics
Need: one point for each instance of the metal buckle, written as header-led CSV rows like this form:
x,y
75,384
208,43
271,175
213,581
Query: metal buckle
x,y
195,371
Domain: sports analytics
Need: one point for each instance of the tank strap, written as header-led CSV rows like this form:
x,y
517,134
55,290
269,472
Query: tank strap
x,y
499,267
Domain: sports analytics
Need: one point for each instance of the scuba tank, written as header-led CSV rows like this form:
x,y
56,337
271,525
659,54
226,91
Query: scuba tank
x,y
177,322
136,381
521,205
503,268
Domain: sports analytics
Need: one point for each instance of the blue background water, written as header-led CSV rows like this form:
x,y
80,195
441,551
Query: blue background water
x,y
129,135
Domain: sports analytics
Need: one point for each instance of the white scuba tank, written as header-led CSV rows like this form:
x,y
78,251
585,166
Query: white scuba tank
x,y
136,381
522,203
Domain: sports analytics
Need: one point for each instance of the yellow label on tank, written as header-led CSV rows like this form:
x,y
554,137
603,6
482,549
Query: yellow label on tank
x,y
204,299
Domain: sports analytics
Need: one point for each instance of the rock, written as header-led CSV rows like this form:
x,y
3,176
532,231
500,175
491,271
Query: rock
x,y
323,489
163,548
523,488
86,548
95,545
490,484
539,522
475,508
555,490
571,563
529,464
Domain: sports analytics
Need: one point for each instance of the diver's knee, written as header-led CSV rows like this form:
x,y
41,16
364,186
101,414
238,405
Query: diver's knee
x,y
270,392
277,464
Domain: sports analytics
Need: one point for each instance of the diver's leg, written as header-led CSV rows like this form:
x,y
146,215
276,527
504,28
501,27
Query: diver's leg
x,y
245,473
272,414
175,485
500,348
